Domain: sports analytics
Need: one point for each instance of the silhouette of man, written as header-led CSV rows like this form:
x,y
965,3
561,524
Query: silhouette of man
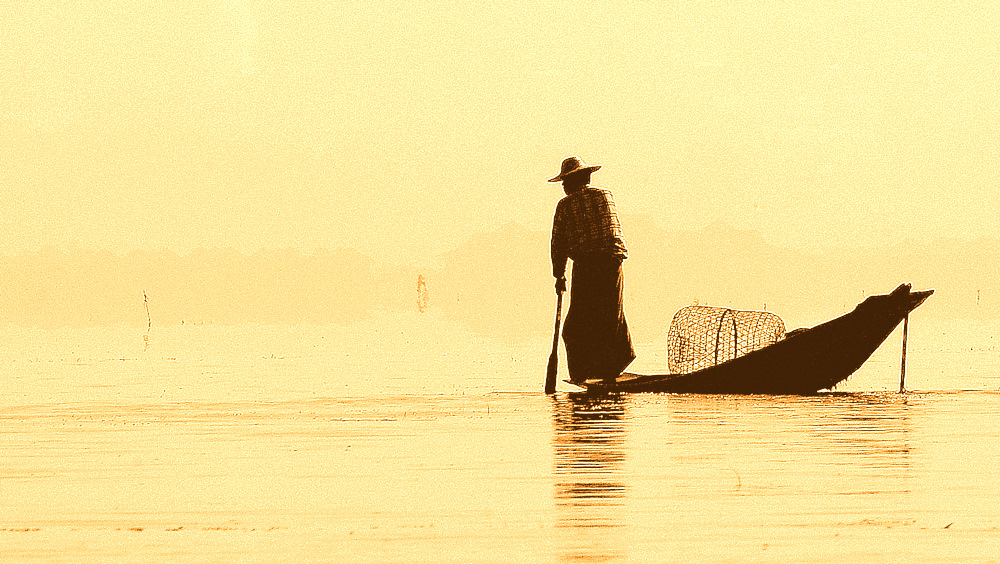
x,y
585,228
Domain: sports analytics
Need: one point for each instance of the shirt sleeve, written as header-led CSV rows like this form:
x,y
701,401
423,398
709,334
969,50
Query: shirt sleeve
x,y
559,249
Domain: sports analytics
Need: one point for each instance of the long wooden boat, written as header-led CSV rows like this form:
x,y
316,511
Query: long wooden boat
x,y
804,362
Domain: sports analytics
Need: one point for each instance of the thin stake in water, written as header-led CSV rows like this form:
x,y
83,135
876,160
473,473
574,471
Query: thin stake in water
x,y
149,322
902,364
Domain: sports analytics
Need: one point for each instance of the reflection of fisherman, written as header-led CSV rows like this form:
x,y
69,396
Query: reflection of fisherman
x,y
586,229
590,455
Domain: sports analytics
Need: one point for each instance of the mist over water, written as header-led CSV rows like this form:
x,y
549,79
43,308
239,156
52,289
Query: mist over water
x,y
404,438
496,284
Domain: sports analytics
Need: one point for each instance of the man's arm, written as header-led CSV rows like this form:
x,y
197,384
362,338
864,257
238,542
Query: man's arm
x,y
558,251
559,269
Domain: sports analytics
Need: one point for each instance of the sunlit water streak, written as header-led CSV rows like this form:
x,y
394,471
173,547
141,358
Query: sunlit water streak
x,y
301,444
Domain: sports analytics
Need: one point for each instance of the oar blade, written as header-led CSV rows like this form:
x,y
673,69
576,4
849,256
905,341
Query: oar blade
x,y
553,368
551,373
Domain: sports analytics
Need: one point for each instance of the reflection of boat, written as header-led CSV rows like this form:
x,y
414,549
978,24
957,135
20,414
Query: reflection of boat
x,y
804,362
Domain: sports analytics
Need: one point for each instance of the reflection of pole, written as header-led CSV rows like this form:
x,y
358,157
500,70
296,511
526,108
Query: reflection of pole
x,y
902,364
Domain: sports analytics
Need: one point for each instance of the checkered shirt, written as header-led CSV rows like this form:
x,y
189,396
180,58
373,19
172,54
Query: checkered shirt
x,y
585,223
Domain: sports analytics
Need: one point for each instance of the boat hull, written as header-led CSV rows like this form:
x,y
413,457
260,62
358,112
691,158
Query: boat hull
x,y
805,362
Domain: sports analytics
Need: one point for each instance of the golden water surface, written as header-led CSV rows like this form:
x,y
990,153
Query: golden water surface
x,y
261,444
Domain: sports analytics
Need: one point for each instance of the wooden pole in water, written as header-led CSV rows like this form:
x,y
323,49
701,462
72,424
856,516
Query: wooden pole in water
x,y
149,322
902,364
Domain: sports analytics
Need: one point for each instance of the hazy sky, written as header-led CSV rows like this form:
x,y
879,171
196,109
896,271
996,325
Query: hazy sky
x,y
400,129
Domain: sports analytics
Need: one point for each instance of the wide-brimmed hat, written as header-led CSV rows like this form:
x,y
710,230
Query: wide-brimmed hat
x,y
573,165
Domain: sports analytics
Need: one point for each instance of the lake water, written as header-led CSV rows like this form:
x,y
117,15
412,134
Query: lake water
x,y
402,439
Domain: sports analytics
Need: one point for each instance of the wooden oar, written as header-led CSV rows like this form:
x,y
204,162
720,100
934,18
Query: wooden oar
x,y
550,375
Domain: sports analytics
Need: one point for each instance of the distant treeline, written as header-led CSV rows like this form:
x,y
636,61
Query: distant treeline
x,y
79,287
496,284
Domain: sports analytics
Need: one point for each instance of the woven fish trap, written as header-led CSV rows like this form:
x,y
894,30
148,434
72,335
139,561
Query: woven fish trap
x,y
704,336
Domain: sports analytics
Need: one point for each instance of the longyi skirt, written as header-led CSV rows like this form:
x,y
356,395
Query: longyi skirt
x,y
598,342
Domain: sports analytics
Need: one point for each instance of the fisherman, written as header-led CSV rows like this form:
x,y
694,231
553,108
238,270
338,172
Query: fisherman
x,y
585,228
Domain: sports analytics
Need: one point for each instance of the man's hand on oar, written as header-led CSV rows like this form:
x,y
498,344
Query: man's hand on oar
x,y
560,284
